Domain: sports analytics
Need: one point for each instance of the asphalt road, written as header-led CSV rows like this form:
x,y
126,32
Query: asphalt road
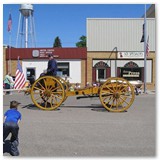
x,y
83,128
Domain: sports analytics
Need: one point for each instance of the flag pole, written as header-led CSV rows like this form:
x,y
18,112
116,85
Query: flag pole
x,y
9,30
10,66
145,58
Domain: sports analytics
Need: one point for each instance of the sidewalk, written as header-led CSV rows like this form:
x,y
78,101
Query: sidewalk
x,y
149,92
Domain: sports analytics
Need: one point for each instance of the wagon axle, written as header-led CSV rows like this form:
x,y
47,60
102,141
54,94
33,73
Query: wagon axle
x,y
47,93
116,95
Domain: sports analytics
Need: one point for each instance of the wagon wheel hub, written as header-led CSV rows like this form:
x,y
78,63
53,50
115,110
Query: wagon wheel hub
x,y
47,93
116,95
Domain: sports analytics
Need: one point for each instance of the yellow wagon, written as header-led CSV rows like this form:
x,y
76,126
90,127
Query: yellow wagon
x,y
116,94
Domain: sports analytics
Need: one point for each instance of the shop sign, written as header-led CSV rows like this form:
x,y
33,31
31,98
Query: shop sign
x,y
130,55
43,53
131,73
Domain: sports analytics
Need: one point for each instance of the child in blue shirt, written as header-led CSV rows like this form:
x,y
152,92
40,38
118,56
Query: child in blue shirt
x,y
12,118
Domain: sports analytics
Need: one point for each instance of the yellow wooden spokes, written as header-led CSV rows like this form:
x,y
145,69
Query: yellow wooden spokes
x,y
47,93
116,94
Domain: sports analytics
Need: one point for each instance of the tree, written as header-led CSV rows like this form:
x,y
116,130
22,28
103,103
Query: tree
x,y
82,42
57,42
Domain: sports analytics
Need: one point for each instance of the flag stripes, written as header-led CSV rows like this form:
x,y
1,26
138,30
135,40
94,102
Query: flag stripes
x,y
20,79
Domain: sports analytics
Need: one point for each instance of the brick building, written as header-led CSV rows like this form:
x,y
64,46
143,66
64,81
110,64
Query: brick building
x,y
71,62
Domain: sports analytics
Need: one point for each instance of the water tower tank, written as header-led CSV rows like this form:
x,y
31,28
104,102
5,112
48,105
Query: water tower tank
x,y
26,9
26,27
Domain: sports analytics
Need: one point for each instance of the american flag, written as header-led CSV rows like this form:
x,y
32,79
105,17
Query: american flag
x,y
19,80
9,23
147,47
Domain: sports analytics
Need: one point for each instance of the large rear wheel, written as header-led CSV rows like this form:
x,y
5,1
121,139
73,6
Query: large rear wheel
x,y
116,94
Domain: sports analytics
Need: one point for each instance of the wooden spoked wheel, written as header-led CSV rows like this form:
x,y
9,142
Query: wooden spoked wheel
x,y
47,93
116,94
65,85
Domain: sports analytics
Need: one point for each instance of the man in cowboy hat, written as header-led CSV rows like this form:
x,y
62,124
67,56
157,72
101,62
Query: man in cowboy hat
x,y
12,118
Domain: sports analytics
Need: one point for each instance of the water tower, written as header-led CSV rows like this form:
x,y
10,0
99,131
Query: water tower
x,y
26,27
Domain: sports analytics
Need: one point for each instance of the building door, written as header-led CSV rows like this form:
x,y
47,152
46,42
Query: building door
x,y
101,71
31,75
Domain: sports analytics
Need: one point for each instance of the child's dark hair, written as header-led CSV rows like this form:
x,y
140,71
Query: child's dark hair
x,y
14,104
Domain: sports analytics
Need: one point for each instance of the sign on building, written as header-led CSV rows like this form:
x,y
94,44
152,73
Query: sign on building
x,y
130,55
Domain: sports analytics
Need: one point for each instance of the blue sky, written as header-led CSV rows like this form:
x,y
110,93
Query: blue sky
x,y
68,21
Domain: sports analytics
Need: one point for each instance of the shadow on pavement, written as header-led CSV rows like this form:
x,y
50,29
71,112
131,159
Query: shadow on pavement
x,y
33,107
94,107
80,106
99,109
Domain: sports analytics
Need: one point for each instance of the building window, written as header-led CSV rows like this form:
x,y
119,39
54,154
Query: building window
x,y
31,72
131,71
101,73
131,65
63,69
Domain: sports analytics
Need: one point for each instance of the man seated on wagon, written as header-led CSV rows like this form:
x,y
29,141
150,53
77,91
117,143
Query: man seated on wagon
x,y
52,66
